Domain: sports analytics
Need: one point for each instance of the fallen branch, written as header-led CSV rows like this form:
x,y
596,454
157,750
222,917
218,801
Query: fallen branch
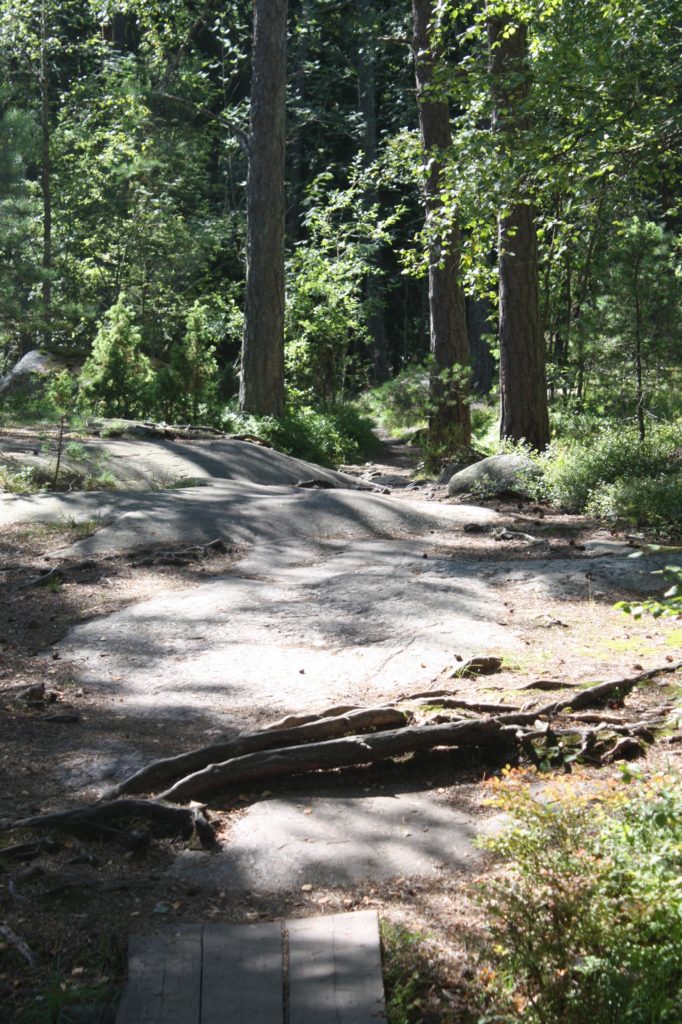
x,y
162,772
9,936
28,851
341,753
98,818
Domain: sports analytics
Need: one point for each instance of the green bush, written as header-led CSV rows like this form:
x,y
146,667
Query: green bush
x,y
188,387
117,379
400,403
326,438
645,501
586,919
667,606
613,470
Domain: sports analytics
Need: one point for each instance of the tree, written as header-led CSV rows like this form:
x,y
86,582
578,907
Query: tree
x,y
117,378
449,419
190,382
376,321
262,377
523,387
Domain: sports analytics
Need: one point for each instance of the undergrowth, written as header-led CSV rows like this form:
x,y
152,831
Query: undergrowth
x,y
585,916
327,438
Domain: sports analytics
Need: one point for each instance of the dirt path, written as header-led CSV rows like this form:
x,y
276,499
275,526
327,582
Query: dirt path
x,y
319,597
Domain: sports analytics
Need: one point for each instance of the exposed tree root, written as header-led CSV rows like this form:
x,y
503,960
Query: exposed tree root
x,y
340,753
170,769
99,819
344,737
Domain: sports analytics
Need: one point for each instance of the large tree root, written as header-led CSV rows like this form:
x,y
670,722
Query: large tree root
x,y
339,754
101,819
360,737
170,769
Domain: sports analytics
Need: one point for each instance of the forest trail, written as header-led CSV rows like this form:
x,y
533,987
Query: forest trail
x,y
331,595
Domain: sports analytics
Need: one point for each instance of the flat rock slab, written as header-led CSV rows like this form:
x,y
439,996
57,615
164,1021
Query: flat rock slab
x,y
320,970
361,622
337,840
236,511
143,464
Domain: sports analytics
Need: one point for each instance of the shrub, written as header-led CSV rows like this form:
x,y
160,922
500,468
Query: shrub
x,y
578,473
400,403
669,605
326,438
117,379
188,387
646,501
586,921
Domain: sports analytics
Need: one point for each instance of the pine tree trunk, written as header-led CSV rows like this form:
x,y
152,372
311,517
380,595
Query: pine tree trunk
x,y
479,325
46,179
262,377
449,421
376,321
523,386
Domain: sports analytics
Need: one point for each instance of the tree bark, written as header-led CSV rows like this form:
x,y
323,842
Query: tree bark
x,y
523,386
479,315
376,320
172,768
449,421
340,753
262,374
46,178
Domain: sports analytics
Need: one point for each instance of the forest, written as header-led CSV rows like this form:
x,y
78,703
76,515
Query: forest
x,y
469,219
341,359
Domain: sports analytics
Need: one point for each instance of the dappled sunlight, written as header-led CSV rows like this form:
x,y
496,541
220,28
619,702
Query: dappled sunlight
x,y
340,836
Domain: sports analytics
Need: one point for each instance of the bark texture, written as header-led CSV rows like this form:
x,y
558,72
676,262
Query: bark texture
x,y
262,377
449,422
523,386
376,320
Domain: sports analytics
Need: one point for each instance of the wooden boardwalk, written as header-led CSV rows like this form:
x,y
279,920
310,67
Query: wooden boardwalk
x,y
318,970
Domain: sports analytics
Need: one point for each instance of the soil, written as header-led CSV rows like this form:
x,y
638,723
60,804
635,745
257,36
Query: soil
x,y
75,903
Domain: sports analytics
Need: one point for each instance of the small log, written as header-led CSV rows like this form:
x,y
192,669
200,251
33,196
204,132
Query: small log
x,y
98,818
340,753
597,718
169,769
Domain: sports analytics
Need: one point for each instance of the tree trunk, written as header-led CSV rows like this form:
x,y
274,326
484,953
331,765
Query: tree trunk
x,y
262,375
479,316
523,386
295,142
449,422
376,321
46,178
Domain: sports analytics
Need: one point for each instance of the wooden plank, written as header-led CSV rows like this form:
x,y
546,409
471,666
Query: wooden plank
x,y
243,974
164,978
335,970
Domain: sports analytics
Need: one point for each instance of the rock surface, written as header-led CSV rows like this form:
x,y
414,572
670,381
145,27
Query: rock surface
x,y
28,372
500,474
339,838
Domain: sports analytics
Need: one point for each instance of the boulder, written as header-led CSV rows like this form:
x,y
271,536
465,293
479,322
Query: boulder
x,y
28,373
500,474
